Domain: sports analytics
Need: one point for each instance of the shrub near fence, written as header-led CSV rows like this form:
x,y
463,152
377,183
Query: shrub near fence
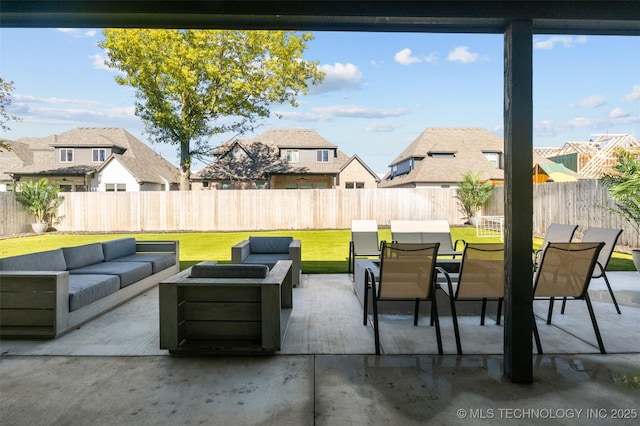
x,y
237,210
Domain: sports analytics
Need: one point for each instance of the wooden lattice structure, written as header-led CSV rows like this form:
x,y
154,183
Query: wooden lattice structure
x,y
593,157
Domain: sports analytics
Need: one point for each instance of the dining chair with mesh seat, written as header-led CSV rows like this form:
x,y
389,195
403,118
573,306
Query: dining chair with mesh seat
x,y
565,271
407,272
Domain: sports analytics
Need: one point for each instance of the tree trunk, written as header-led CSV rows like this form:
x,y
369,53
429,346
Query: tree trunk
x,y
185,167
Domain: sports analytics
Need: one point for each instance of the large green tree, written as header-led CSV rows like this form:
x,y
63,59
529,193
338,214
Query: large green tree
x,y
193,84
5,100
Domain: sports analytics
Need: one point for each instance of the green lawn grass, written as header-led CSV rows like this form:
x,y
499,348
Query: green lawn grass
x,y
323,251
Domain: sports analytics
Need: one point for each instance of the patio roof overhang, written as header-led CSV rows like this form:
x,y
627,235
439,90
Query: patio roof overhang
x,y
517,20
558,17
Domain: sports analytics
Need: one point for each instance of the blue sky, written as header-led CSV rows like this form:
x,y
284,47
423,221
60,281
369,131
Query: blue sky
x,y
381,91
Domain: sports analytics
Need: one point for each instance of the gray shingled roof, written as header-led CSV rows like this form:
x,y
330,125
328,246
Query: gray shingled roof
x,y
278,139
468,145
139,159
18,155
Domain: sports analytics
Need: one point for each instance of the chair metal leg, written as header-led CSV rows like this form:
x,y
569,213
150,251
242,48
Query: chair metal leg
x,y
613,298
499,314
536,336
550,313
416,311
434,308
484,311
456,329
366,296
376,331
351,259
595,324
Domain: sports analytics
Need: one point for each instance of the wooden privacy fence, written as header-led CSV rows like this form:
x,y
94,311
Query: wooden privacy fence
x,y
237,210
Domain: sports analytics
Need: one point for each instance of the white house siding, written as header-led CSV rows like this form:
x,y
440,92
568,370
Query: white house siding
x,y
116,173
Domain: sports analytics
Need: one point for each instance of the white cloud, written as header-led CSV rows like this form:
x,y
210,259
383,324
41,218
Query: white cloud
x,y
566,41
634,95
382,127
619,113
328,113
59,101
338,77
591,102
98,62
462,54
405,57
77,33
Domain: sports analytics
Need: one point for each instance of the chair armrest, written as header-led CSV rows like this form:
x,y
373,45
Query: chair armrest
x,y
455,245
295,250
240,251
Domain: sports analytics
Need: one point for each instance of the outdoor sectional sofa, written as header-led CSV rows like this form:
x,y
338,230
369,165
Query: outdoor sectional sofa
x,y
267,251
48,293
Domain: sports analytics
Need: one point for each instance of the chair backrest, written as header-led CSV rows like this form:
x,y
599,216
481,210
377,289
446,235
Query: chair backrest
x,y
364,234
559,233
565,269
609,237
481,271
422,231
407,270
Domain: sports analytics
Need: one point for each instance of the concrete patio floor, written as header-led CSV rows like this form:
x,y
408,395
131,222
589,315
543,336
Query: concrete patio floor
x,y
111,371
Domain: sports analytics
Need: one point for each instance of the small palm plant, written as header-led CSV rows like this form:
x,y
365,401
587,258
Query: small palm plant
x,y
40,199
624,188
473,193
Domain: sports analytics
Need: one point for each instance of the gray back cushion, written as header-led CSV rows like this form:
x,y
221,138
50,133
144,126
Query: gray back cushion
x,y
229,271
51,260
118,248
88,254
270,244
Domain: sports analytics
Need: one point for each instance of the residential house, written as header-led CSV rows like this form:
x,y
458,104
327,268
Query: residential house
x,y
14,156
439,157
284,159
96,159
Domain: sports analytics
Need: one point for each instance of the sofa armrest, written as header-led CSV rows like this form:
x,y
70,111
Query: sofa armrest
x,y
157,246
295,255
34,304
240,251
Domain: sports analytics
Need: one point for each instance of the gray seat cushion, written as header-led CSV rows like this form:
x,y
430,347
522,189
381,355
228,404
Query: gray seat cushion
x,y
86,289
159,261
229,271
121,247
265,259
51,260
81,256
264,245
129,272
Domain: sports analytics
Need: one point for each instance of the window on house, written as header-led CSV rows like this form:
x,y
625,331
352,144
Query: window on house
x,y
66,155
290,186
9,187
321,185
493,158
225,185
292,156
352,185
99,155
261,185
306,185
322,156
205,184
115,187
